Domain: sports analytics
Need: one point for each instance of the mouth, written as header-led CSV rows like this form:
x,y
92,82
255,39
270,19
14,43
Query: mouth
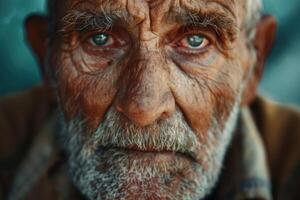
x,y
151,154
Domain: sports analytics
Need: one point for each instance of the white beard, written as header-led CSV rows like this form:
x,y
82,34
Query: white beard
x,y
109,173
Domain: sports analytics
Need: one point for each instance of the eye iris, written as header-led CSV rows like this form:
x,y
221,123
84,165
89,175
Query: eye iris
x,y
100,39
195,40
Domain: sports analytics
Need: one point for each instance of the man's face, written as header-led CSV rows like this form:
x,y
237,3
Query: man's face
x,y
150,92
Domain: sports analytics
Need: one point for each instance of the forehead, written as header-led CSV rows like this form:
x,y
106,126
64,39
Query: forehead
x,y
124,2
153,3
160,7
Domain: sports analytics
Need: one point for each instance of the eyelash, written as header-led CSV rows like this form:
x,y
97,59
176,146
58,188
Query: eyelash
x,y
188,32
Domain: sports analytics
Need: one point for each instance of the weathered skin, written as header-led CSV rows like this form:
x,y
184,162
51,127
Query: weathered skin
x,y
146,78
148,71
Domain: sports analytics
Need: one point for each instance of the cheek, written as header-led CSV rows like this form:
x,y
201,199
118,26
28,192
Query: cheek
x,y
208,94
84,94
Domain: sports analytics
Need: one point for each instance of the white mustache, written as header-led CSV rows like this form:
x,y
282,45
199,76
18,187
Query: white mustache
x,y
115,131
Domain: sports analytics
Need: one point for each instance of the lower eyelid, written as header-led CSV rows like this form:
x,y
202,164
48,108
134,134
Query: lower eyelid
x,y
191,52
187,50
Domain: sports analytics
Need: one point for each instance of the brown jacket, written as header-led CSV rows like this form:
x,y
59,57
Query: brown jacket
x,y
263,161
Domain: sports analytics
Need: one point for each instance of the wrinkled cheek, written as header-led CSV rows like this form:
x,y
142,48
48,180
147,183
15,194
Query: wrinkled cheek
x,y
83,95
204,102
95,100
224,100
195,103
224,93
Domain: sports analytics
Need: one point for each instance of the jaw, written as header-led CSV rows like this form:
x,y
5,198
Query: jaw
x,y
117,174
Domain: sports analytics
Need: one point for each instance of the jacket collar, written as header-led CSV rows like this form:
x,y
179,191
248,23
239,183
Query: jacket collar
x,y
245,173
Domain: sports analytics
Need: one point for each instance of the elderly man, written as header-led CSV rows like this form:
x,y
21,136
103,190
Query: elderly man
x,y
149,99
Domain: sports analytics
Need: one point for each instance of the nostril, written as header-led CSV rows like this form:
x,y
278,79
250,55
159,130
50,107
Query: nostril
x,y
119,108
165,115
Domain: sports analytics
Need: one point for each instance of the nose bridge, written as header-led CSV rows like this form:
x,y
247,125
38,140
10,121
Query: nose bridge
x,y
151,82
145,95
145,88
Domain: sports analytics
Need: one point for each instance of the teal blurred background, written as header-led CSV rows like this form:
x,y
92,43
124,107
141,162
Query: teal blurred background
x,y
281,81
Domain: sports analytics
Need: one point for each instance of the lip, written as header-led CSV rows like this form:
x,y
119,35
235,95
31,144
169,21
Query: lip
x,y
151,153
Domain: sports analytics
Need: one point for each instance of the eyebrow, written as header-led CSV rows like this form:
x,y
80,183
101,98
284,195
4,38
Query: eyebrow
x,y
84,20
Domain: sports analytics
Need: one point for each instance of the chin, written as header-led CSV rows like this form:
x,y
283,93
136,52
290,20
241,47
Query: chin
x,y
119,174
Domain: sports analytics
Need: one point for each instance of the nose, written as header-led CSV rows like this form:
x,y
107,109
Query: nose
x,y
145,96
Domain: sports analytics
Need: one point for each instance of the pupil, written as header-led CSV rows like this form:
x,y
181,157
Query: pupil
x,y
195,40
100,39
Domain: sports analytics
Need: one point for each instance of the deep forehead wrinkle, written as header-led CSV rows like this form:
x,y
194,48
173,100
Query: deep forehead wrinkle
x,y
112,5
229,5
98,5
226,6
132,10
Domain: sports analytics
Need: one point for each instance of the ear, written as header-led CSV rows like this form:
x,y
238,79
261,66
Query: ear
x,y
36,27
263,42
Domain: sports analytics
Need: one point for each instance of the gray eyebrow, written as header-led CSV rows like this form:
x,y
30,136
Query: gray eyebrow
x,y
78,20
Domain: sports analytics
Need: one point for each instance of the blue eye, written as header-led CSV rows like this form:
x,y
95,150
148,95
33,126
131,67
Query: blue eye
x,y
195,41
100,39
